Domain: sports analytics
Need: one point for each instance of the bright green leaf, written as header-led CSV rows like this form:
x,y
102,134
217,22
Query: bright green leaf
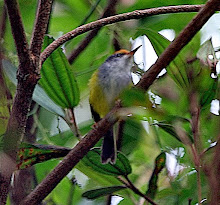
x,y
57,79
168,128
176,68
133,97
207,97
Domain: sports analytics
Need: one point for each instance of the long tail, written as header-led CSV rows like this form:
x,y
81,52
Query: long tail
x,y
109,151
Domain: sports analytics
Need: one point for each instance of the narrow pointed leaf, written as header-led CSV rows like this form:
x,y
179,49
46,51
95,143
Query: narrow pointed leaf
x,y
168,128
121,167
207,96
96,193
30,154
176,68
160,163
57,79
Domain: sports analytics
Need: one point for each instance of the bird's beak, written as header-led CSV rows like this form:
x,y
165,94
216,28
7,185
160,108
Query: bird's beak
x,y
134,51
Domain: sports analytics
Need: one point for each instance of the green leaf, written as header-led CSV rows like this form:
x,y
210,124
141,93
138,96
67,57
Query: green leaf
x,y
132,132
160,163
207,96
121,167
133,97
95,193
168,128
57,79
176,69
39,95
101,179
30,154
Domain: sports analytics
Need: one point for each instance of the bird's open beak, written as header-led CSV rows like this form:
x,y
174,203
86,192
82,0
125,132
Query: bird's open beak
x,y
134,51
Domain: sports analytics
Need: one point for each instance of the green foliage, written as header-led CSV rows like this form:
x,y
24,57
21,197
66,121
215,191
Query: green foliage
x,y
169,129
121,167
93,194
39,94
57,79
176,69
150,129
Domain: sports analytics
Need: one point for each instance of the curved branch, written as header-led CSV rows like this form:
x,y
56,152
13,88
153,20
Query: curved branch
x,y
82,148
109,10
138,14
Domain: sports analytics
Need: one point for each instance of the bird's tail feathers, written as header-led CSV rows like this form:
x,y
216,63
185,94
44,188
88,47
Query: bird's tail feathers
x,y
109,150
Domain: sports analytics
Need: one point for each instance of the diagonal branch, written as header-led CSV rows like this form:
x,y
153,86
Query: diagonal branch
x,y
73,157
183,38
82,148
138,14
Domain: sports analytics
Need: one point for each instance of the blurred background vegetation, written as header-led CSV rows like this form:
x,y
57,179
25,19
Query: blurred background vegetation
x,y
161,118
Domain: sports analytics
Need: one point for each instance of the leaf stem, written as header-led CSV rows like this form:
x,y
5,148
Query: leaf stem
x,y
108,11
128,183
71,121
195,114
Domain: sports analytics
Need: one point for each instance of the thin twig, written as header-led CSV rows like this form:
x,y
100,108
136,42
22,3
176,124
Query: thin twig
x,y
73,185
195,114
82,148
71,121
92,9
138,14
109,10
131,186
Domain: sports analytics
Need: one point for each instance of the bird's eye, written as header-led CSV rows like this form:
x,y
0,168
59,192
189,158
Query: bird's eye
x,y
119,54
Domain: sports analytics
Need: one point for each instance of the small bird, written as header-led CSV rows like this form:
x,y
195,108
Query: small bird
x,y
106,85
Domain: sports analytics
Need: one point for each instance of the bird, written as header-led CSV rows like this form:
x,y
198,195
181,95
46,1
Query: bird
x,y
106,85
